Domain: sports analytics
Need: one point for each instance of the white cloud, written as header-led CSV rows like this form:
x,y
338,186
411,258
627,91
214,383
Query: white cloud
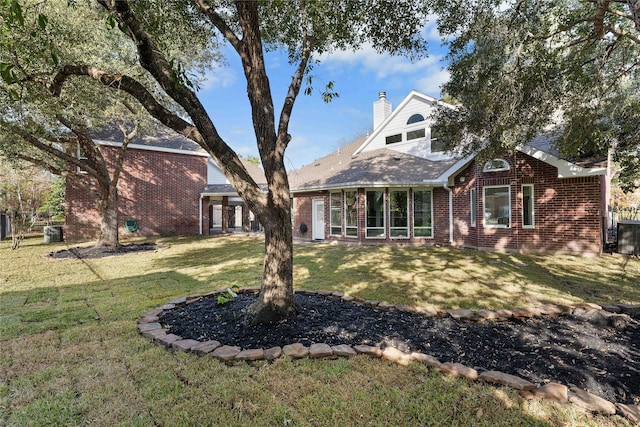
x,y
433,81
222,76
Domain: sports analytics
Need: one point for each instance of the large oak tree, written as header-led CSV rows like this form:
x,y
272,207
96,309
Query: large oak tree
x,y
306,29
569,68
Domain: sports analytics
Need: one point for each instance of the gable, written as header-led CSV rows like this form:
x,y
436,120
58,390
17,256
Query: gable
x,y
408,130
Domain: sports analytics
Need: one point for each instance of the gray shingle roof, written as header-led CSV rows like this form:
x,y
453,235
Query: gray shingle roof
x,y
382,166
162,138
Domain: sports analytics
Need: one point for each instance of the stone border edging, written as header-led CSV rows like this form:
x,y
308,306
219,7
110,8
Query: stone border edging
x,y
150,327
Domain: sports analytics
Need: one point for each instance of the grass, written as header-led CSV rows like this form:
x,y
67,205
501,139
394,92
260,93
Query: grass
x,y
70,353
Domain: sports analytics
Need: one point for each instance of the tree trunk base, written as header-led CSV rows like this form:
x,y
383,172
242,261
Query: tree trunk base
x,y
259,312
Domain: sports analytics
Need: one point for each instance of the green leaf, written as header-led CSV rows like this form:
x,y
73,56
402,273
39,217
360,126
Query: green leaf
x,y
42,21
110,22
55,58
7,73
15,12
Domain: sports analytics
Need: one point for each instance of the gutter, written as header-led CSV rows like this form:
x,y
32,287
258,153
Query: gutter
x,y
446,187
200,216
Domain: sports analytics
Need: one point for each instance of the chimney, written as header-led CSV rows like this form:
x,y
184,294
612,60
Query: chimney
x,y
381,109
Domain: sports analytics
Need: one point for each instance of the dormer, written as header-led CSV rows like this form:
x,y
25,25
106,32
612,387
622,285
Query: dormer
x,y
408,129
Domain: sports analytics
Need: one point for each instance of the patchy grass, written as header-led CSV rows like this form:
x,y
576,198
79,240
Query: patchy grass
x,y
70,353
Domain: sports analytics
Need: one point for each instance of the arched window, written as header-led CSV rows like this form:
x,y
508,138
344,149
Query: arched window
x,y
415,119
496,165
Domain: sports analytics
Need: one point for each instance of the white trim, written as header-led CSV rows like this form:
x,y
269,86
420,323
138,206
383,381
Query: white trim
x,y
200,212
384,214
484,205
413,94
565,169
473,205
406,191
413,207
533,206
153,148
350,227
314,210
505,166
341,206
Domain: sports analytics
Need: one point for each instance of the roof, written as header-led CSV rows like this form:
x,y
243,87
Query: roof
x,y
225,190
546,142
342,169
163,138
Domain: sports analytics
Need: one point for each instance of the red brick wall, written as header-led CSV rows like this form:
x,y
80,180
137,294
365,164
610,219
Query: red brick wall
x,y
567,211
160,190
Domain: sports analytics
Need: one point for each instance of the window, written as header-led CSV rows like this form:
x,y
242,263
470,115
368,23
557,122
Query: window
x,y
422,224
496,165
399,213
351,213
83,158
392,139
375,213
437,145
527,206
497,206
335,201
415,134
416,118
473,200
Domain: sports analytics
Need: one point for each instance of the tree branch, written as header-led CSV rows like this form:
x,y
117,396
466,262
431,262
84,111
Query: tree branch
x,y
219,23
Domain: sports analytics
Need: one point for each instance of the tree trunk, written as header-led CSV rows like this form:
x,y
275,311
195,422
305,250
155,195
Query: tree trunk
x,y
276,293
108,207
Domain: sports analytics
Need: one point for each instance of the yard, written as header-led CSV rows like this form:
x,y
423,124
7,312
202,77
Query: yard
x,y
70,353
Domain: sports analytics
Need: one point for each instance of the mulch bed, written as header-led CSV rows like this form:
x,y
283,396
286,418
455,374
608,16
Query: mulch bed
x,y
595,353
92,252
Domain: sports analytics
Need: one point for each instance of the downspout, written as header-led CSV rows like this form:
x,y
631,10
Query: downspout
x,y
200,216
446,187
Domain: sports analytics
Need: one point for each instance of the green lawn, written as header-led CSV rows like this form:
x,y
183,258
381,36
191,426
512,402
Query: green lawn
x,y
70,353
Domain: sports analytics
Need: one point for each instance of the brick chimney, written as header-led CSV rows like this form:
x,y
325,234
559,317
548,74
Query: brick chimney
x,y
381,109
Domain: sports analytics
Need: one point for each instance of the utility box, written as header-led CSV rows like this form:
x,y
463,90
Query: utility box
x,y
52,234
629,237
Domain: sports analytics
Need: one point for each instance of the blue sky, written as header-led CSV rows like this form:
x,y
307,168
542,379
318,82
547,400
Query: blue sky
x,y
318,128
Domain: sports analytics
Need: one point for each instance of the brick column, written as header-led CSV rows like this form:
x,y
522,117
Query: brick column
x,y
225,214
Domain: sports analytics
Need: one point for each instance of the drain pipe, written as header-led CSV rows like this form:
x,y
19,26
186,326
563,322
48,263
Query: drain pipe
x,y
446,187
200,216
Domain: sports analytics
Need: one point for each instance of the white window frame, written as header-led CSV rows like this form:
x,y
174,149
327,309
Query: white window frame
x,y
406,191
413,207
366,212
331,209
489,168
473,202
348,227
81,157
484,207
531,207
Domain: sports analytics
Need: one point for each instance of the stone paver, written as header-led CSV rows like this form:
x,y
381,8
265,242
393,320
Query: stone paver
x,y
295,351
553,391
251,354
395,355
368,350
461,314
631,412
425,359
167,339
459,370
320,351
591,402
512,381
343,350
272,353
184,345
154,334
143,327
206,347
226,353
384,305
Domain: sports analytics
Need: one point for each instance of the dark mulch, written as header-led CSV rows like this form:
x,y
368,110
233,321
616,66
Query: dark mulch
x,y
101,252
597,353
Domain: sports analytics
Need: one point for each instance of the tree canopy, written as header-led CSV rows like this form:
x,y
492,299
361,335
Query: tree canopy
x,y
568,68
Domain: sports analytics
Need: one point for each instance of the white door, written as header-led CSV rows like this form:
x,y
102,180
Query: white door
x,y
318,220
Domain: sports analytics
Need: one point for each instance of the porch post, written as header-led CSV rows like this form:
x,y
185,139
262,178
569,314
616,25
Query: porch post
x,y
225,214
245,218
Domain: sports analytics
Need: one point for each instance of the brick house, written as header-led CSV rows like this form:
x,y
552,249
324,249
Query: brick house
x,y
398,186
168,185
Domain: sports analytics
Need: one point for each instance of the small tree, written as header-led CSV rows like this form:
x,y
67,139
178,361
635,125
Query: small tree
x,y
23,189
